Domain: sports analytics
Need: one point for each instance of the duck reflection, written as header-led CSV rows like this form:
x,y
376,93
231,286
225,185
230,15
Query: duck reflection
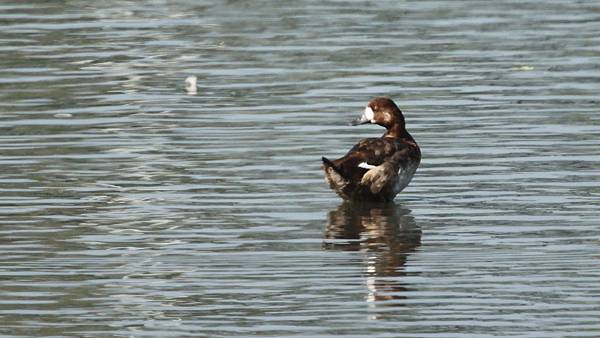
x,y
386,233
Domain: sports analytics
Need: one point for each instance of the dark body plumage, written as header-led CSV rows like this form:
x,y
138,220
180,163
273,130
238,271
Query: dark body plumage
x,y
376,169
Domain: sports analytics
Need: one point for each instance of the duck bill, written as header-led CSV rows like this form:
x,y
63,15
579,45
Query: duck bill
x,y
361,120
366,117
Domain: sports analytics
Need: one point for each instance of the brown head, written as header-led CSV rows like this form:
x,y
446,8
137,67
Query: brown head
x,y
382,111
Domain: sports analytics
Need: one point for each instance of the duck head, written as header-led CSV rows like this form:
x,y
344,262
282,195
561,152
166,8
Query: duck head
x,y
382,111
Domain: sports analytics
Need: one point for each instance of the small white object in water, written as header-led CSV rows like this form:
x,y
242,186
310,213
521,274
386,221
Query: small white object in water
x,y
63,115
190,85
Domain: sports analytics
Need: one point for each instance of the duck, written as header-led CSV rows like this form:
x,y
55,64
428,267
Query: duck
x,y
376,169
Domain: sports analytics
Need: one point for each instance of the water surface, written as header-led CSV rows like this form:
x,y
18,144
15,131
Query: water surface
x,y
129,208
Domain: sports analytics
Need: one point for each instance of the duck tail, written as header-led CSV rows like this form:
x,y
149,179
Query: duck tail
x,y
328,164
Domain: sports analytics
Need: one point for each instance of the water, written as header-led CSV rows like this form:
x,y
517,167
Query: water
x,y
129,208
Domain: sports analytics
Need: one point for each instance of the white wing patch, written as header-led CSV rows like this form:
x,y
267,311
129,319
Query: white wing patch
x,y
366,165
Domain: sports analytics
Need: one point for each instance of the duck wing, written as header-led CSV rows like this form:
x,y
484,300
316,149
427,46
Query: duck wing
x,y
372,152
374,169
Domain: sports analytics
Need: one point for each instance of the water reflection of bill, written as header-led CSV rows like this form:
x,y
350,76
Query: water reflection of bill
x,y
387,234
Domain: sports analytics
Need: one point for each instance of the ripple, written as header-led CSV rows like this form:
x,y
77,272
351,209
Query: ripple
x,y
129,208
